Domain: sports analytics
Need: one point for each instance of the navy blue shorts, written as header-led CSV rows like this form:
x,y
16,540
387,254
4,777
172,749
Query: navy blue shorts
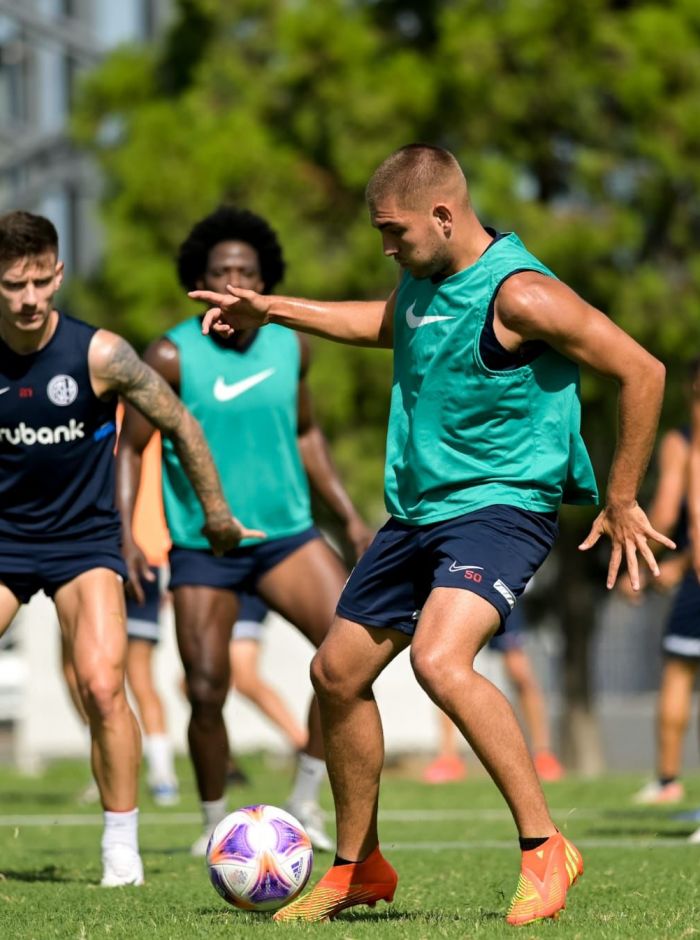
x,y
492,552
28,568
143,620
682,634
512,637
236,571
251,613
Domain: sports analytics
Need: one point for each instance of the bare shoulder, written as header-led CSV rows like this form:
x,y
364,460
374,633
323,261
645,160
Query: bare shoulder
x,y
113,362
674,445
522,298
164,356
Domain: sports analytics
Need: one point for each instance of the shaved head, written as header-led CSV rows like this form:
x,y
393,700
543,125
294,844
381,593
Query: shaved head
x,y
415,174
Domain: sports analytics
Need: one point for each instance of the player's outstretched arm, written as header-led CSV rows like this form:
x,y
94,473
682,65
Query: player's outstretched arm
x,y
320,469
533,306
360,323
115,367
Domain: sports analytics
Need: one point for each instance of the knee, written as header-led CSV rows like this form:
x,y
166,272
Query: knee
x,y
331,680
437,670
206,689
103,693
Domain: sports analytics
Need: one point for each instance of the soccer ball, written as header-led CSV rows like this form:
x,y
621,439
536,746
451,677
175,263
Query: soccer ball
x,y
259,858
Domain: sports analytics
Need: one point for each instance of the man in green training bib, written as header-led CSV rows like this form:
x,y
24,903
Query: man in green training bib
x,y
252,400
483,446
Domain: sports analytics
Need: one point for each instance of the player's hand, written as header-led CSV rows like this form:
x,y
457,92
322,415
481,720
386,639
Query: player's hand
x,y
629,530
138,570
225,532
238,309
359,535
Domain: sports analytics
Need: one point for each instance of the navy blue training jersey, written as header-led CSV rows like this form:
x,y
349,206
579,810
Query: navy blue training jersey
x,y
56,443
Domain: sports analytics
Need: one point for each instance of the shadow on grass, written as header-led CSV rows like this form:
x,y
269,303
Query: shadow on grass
x,y
347,917
48,873
648,831
16,798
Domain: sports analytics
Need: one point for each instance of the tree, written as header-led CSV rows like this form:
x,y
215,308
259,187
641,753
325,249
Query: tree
x,y
577,124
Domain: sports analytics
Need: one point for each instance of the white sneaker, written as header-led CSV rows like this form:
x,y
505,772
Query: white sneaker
x,y
165,793
311,816
121,866
200,844
694,839
655,793
90,794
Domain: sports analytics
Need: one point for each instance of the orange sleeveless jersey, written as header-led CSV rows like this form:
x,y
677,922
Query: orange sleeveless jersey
x,y
149,526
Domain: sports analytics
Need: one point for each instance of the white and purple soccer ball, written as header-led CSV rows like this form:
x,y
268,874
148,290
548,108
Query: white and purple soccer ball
x,y
259,858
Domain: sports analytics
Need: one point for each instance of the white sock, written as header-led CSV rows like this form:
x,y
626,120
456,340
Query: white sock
x,y
214,811
121,829
311,772
159,757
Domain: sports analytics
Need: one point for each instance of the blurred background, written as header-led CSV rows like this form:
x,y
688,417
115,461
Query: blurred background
x,y
578,126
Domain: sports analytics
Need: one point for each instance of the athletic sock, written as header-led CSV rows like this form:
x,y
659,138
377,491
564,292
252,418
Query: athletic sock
x,y
311,772
214,811
159,757
121,829
664,781
527,845
342,861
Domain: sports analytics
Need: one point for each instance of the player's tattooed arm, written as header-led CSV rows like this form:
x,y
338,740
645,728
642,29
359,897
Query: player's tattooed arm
x,y
116,368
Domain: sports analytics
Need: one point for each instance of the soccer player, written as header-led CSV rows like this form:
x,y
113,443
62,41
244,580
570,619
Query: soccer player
x,y
251,395
681,640
483,445
143,635
59,527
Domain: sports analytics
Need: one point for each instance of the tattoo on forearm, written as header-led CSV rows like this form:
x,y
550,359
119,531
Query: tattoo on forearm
x,y
147,391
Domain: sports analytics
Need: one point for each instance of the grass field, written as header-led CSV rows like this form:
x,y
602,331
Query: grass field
x,y
454,848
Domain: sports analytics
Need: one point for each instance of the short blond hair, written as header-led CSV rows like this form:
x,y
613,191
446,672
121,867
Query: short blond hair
x,y
414,170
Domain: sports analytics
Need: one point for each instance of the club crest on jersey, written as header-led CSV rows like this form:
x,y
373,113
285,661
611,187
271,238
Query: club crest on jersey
x,y
62,390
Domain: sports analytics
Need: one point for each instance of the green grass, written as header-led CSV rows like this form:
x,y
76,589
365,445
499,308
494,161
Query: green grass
x,y
457,865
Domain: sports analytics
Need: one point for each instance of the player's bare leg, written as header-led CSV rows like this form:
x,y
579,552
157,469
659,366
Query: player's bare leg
x,y
9,605
532,703
453,627
675,701
156,745
247,681
204,617
305,588
93,622
343,672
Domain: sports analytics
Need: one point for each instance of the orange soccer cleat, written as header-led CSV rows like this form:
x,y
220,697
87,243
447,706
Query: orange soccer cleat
x,y
344,886
547,766
546,874
446,769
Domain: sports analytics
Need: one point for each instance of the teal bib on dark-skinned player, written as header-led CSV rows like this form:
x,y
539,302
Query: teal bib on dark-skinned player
x,y
247,404
462,436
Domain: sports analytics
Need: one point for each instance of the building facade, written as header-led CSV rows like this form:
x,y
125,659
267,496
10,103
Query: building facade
x,y
45,47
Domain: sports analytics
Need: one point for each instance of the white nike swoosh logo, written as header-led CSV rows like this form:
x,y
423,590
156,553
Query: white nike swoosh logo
x,y
454,567
3,390
414,322
224,392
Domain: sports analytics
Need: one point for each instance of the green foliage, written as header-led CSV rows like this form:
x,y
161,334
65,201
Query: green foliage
x,y
578,126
